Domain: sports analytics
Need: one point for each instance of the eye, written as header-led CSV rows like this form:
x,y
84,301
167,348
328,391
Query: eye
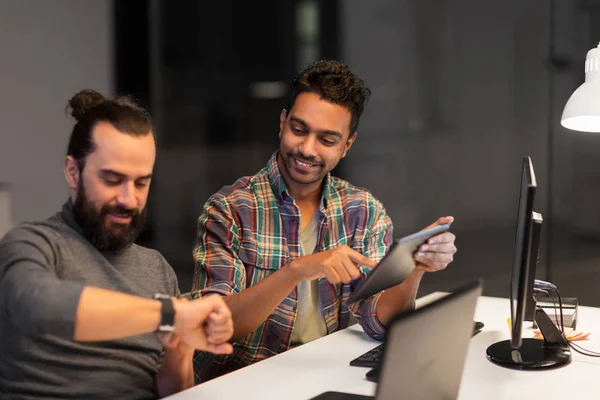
x,y
328,142
297,131
141,184
112,182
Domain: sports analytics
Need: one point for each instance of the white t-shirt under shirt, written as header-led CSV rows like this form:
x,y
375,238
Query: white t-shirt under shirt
x,y
310,324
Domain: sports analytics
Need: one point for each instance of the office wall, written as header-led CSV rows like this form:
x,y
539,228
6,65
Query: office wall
x,y
5,208
460,94
462,90
50,49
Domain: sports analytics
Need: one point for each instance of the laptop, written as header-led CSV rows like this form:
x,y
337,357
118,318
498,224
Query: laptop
x,y
425,350
372,358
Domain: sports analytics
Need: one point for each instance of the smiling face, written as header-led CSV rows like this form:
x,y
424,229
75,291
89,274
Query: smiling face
x,y
315,136
111,190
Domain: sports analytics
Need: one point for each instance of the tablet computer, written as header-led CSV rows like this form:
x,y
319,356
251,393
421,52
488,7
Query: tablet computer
x,y
396,265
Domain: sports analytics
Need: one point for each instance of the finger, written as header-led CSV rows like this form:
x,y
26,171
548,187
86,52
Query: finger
x,y
216,302
446,237
222,348
221,337
433,267
218,329
359,259
341,270
441,221
218,318
219,334
351,269
438,248
428,257
331,275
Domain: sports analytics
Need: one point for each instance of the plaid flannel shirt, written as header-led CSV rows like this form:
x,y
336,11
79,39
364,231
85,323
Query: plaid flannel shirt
x,y
251,229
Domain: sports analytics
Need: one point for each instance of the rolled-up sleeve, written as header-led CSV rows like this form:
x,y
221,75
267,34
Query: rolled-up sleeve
x,y
376,244
31,294
218,269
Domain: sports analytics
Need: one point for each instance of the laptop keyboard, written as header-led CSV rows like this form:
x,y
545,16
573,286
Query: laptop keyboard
x,y
372,358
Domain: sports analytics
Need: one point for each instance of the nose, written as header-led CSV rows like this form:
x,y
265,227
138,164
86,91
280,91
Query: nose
x,y
126,197
308,146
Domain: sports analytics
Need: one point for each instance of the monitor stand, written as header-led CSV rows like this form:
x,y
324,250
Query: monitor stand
x,y
552,352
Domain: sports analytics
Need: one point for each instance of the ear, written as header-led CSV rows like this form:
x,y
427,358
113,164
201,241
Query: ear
x,y
349,143
282,118
72,173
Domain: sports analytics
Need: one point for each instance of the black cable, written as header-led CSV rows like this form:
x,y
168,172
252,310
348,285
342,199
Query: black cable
x,y
562,320
583,351
595,353
574,346
561,325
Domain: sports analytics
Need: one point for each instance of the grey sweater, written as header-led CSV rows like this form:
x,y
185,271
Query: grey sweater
x,y
43,269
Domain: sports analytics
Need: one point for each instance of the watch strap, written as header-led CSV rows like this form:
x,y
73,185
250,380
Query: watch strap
x,y
167,314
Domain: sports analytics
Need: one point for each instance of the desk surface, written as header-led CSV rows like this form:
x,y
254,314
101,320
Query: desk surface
x,y
322,365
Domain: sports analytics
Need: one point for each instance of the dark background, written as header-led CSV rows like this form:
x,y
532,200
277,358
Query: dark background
x,y
462,90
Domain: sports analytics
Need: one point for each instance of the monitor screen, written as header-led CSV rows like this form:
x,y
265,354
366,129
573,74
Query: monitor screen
x,y
518,287
529,353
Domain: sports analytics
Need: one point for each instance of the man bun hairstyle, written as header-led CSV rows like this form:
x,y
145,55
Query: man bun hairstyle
x,y
83,101
89,107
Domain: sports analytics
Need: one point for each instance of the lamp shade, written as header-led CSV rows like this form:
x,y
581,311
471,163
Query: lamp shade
x,y
582,111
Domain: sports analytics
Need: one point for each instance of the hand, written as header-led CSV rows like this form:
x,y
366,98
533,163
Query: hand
x,y
173,343
438,251
337,265
204,324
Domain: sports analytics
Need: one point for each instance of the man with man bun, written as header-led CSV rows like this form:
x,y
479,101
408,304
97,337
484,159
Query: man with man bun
x,y
84,312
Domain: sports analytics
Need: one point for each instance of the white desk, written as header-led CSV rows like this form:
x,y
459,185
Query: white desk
x,y
322,365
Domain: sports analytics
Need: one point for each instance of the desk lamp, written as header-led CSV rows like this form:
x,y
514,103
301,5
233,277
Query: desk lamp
x,y
582,111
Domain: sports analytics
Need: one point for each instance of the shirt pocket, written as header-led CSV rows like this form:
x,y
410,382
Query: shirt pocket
x,y
354,240
260,262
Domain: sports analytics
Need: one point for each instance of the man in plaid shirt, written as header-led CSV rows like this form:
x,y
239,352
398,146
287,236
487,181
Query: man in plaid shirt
x,y
287,246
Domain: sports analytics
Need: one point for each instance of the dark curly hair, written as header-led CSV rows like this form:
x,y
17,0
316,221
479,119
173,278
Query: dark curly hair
x,y
89,107
333,81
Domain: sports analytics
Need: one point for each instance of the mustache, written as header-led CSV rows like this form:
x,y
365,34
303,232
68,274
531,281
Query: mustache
x,y
309,160
120,211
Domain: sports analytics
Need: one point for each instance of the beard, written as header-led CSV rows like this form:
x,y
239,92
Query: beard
x,y
287,161
106,236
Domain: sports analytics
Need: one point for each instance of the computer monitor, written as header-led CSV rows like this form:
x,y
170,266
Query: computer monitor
x,y
534,258
519,353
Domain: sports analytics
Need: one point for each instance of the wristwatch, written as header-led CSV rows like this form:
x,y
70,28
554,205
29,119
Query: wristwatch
x,y
167,315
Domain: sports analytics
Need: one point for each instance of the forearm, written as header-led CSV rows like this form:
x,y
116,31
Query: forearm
x,y
398,298
176,373
252,306
105,315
